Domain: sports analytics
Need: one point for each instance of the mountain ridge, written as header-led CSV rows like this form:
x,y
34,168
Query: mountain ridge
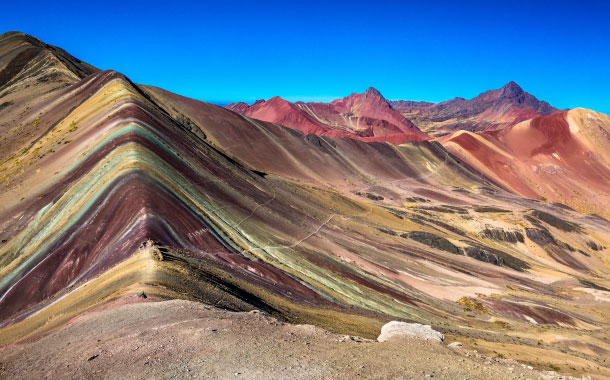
x,y
367,116
492,109
29,50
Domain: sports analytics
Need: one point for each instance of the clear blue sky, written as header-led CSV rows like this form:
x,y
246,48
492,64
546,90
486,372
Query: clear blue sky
x,y
227,50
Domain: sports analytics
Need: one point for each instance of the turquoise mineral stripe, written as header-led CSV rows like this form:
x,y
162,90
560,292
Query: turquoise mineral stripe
x,y
61,216
132,127
44,211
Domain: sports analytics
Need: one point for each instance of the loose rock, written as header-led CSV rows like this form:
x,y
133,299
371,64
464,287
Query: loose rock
x,y
415,330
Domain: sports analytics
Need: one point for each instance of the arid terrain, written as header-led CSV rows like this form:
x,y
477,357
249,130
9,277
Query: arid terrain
x,y
490,226
188,340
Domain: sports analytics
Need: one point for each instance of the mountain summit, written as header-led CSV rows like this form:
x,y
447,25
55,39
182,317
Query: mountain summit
x,y
371,91
510,90
367,116
370,117
24,56
493,109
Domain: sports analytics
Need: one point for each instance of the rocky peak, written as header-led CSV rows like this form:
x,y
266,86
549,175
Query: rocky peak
x,y
372,92
239,107
510,90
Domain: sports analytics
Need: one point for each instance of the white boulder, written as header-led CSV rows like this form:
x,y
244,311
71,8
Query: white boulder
x,y
412,330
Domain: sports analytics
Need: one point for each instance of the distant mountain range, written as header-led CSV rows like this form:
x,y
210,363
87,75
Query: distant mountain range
x,y
370,117
490,110
367,117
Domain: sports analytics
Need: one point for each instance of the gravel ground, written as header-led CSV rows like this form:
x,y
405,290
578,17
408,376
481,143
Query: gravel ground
x,y
187,340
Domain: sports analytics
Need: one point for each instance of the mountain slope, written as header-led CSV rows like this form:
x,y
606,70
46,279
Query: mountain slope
x,y
24,57
169,337
493,109
561,157
366,117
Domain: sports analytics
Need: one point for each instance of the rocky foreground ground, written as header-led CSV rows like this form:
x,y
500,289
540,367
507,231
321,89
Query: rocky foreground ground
x,y
187,340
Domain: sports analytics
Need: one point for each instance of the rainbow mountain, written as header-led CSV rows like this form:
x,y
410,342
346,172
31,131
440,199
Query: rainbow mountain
x,y
111,189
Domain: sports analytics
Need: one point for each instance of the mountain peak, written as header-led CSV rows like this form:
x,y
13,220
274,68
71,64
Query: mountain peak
x,y
19,37
510,90
372,91
14,33
11,33
19,49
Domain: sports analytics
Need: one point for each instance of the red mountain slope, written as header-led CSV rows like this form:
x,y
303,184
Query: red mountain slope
x,y
560,157
366,116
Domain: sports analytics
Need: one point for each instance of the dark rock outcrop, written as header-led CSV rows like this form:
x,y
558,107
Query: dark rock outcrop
x,y
495,257
416,200
499,234
374,197
554,221
592,285
489,209
594,246
483,255
540,236
389,232
432,240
